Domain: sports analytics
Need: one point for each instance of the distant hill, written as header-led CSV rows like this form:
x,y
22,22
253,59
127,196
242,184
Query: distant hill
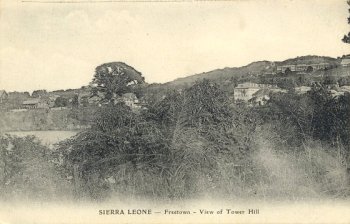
x,y
310,59
251,70
254,68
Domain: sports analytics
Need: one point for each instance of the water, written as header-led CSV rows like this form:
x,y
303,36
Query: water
x,y
46,137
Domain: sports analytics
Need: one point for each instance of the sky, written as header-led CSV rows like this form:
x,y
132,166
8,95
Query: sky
x,y
58,45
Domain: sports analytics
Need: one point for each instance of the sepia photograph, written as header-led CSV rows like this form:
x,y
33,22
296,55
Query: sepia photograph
x,y
174,111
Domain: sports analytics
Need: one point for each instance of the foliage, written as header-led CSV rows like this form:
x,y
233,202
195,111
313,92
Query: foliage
x,y
26,171
117,138
114,79
177,143
61,102
39,93
187,141
316,115
75,101
309,69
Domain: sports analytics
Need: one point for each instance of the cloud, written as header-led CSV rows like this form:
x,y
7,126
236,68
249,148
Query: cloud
x,y
58,46
114,21
25,70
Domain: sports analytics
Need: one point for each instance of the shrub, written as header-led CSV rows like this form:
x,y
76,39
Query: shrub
x,y
26,171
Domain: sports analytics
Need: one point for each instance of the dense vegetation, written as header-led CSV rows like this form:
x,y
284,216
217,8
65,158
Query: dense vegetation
x,y
194,142
28,172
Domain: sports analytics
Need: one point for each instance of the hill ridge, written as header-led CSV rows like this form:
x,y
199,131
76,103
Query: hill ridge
x,y
253,68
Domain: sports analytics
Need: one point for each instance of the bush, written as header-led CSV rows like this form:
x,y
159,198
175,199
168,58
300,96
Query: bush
x,y
26,171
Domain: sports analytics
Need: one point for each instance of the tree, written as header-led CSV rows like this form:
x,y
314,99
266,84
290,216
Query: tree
x,y
61,102
301,80
75,101
344,81
39,93
286,83
309,69
114,79
287,71
346,38
329,80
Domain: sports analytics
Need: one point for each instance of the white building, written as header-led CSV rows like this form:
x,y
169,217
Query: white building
x,y
302,67
302,89
252,91
345,62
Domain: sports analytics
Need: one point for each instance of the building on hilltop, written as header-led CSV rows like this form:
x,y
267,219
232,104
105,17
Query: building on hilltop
x,y
283,68
302,67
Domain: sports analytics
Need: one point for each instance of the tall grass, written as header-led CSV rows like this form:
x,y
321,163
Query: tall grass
x,y
271,173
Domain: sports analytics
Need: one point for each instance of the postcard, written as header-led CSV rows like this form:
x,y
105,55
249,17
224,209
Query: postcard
x,y
174,111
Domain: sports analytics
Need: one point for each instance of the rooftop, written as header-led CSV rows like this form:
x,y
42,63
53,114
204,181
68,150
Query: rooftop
x,y
32,101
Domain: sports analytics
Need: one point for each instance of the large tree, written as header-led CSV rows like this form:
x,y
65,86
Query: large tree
x,y
114,79
61,102
39,93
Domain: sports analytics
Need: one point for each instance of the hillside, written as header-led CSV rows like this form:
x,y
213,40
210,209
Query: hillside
x,y
251,70
254,68
310,59
336,72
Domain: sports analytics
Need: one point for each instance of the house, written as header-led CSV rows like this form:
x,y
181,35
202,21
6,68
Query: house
x,y
86,98
338,91
247,91
131,100
35,103
345,88
345,62
320,66
302,89
3,96
283,68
